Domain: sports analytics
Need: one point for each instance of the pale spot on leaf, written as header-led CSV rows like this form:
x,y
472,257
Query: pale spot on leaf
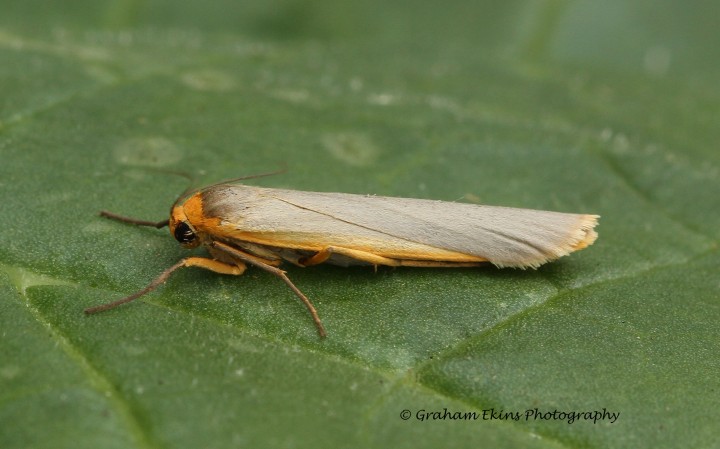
x,y
352,148
209,80
147,152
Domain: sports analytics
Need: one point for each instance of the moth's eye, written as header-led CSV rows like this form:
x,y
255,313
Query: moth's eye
x,y
184,234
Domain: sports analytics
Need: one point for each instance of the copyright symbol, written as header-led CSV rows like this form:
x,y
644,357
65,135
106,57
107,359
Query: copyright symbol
x,y
405,414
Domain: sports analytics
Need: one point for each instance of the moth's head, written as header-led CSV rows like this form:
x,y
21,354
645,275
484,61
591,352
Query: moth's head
x,y
182,217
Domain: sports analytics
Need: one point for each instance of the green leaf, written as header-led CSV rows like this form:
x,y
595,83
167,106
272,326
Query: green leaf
x,y
605,108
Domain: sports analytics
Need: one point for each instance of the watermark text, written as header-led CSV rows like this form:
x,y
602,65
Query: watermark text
x,y
532,414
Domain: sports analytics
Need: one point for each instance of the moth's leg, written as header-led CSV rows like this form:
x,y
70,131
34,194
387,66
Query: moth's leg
x,y
243,257
222,254
215,265
440,264
364,256
202,262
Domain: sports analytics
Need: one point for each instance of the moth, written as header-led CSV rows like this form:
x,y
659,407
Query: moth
x,y
241,225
